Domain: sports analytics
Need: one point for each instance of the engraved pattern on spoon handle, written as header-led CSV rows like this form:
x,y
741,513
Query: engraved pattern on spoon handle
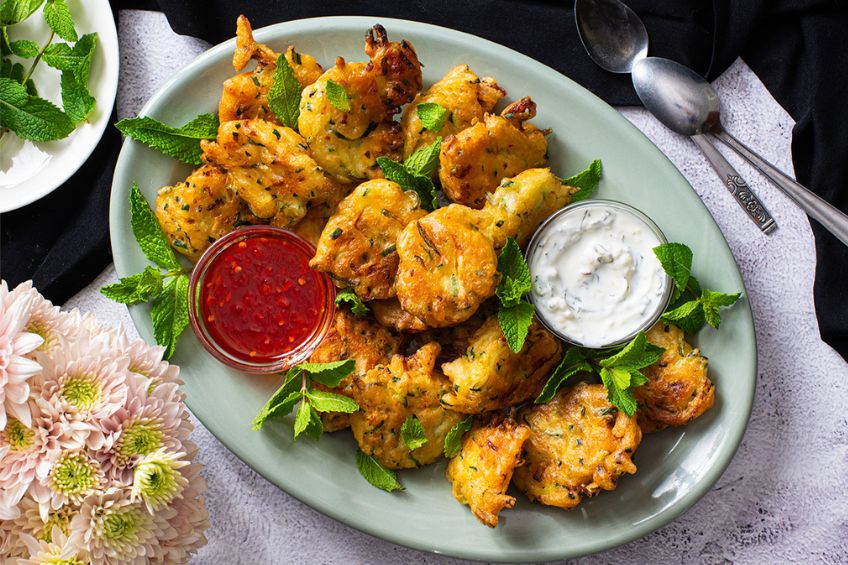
x,y
736,185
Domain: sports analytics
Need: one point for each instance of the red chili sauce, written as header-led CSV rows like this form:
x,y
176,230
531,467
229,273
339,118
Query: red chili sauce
x,y
260,299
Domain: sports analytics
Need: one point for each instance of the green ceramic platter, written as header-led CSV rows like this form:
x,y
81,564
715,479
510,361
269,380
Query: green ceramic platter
x,y
676,467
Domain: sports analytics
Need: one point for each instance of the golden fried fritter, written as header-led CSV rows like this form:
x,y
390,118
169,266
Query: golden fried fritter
x,y
489,376
389,313
447,267
357,247
678,388
482,471
269,167
579,444
198,211
358,338
246,95
388,395
463,94
347,143
473,161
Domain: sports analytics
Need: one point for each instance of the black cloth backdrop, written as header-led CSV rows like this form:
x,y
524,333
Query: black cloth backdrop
x,y
798,48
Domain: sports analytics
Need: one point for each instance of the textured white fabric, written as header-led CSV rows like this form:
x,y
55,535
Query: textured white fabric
x,y
782,498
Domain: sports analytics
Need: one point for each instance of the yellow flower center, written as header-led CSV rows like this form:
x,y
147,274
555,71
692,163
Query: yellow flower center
x,y
122,527
60,518
82,391
42,331
139,438
74,475
18,436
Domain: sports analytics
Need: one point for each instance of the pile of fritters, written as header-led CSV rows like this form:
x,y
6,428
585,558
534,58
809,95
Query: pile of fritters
x,y
432,347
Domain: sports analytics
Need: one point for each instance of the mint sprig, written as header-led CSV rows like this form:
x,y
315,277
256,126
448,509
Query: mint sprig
x,y
412,433
181,143
337,96
59,19
453,439
572,363
15,11
357,306
515,315
284,94
432,115
586,180
31,117
415,173
376,474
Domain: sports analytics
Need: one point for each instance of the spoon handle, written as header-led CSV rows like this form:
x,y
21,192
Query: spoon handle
x,y
736,185
830,217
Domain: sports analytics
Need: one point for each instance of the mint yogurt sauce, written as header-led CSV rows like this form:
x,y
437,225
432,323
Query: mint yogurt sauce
x,y
596,280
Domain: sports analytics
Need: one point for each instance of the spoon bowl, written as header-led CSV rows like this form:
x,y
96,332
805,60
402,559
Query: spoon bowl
x,y
612,34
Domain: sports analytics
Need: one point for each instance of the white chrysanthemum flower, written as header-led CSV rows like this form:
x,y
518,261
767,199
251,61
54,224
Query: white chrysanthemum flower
x,y
191,518
147,360
31,522
157,479
114,529
45,320
15,345
72,478
58,551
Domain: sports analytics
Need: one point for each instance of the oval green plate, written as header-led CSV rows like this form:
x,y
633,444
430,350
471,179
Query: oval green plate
x,y
676,467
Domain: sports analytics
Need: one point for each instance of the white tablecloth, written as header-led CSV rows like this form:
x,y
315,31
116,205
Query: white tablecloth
x,y
783,496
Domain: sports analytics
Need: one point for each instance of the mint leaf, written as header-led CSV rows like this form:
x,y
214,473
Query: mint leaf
x,y
58,17
284,94
315,427
676,261
324,401
76,99
689,317
15,11
169,313
136,288
634,356
515,275
425,161
412,433
376,474
328,374
78,58
349,297
453,439
302,418
24,48
282,401
182,143
515,322
30,117
148,233
619,396
712,301
422,185
586,180
432,115
573,362
337,96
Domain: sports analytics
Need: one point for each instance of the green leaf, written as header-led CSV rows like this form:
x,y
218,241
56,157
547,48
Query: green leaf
x,y
15,11
689,316
376,474
515,322
77,59
425,161
412,433
24,48
76,99
148,233
182,143
302,418
621,398
30,117
58,17
453,439
282,401
337,96
135,288
432,115
712,301
586,180
422,185
315,427
634,356
676,260
284,94
515,275
328,374
324,401
349,297
169,313
573,362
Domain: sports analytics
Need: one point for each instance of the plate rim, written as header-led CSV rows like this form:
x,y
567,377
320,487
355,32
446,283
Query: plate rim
x,y
645,527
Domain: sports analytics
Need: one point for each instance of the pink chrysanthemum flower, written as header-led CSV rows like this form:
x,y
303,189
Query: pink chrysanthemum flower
x,y
10,543
191,518
114,529
31,522
45,320
57,551
15,345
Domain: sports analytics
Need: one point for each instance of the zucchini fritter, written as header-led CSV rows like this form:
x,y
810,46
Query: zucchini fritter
x,y
463,94
579,445
473,161
678,388
357,247
388,395
489,376
389,313
198,211
269,167
347,143
246,95
482,471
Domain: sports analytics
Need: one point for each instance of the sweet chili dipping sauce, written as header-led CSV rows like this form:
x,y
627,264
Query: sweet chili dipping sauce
x,y
255,303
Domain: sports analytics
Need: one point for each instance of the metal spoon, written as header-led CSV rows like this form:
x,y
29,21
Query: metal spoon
x,y
616,40
688,104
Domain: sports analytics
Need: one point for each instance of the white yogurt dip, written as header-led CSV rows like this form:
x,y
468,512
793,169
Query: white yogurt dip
x,y
596,280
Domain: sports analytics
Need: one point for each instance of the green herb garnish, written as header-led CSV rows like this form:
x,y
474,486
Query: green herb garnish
x,y
350,298
453,440
415,172
412,433
284,94
432,115
586,180
376,474
338,96
515,315
181,143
